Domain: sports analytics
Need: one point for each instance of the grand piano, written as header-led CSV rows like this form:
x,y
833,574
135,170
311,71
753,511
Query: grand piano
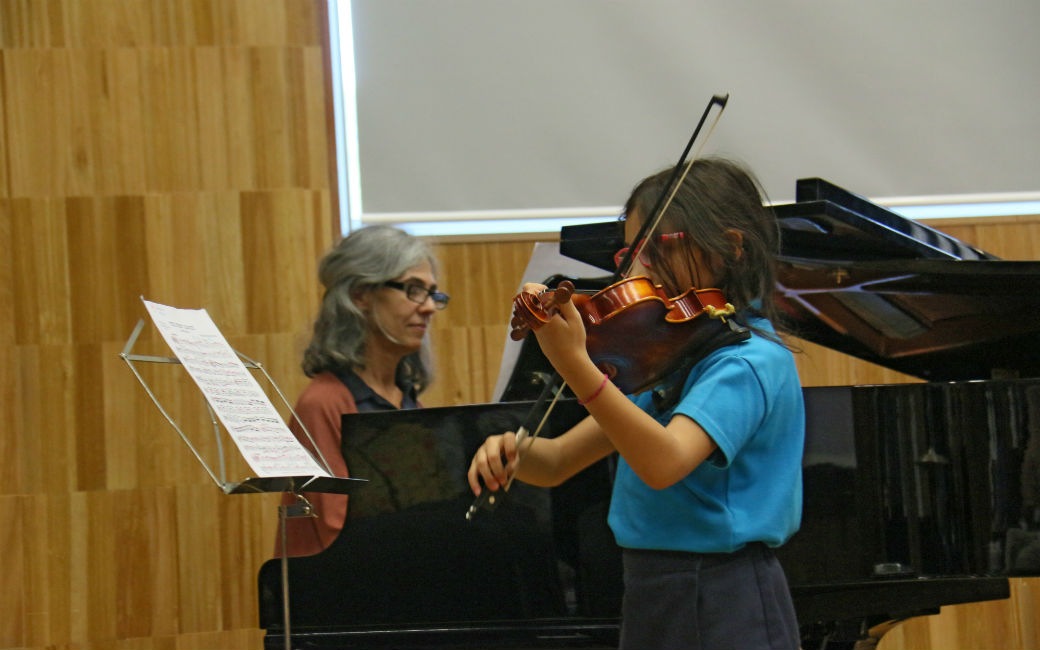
x,y
917,495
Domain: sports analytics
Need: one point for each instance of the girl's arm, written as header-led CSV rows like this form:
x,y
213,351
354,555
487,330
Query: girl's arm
x,y
543,461
659,455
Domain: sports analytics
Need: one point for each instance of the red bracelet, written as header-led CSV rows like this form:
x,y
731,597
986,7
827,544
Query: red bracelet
x,y
599,390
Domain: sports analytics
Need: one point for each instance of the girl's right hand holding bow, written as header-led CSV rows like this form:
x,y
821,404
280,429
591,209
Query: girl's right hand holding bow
x,y
494,463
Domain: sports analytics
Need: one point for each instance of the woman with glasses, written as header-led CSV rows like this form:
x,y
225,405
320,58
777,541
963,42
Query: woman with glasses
x,y
369,351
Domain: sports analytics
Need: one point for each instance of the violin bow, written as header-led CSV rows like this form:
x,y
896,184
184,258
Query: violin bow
x,y
682,168
488,499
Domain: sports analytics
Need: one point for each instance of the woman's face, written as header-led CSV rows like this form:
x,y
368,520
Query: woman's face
x,y
397,320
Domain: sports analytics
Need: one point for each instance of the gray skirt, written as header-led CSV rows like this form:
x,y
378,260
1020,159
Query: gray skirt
x,y
707,601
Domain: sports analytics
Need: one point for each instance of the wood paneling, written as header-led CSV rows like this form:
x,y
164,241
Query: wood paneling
x,y
178,150
469,337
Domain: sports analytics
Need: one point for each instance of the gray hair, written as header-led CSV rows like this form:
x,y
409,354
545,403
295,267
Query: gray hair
x,y
365,259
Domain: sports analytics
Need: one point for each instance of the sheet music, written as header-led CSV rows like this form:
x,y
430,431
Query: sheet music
x,y
240,404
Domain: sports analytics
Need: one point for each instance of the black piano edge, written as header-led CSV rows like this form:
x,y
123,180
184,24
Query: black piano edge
x,y
892,599
591,633
830,615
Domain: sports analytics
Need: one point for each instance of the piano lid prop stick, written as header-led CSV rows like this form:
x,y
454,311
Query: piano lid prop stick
x,y
488,499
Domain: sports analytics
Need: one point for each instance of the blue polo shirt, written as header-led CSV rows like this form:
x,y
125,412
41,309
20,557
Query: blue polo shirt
x,y
748,398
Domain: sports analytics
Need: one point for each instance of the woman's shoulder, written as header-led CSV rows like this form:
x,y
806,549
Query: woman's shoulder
x,y
325,390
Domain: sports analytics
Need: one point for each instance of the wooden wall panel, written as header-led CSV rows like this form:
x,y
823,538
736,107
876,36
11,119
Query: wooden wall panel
x,y
52,577
1026,594
106,241
276,226
10,444
42,313
4,180
12,536
174,150
7,275
469,337
36,104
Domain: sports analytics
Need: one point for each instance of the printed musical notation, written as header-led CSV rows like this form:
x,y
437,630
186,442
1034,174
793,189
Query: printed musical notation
x,y
240,404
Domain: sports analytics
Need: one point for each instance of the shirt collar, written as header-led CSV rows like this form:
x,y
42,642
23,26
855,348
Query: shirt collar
x,y
367,399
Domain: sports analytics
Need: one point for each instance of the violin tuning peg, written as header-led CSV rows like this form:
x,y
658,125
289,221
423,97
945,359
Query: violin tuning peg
x,y
564,292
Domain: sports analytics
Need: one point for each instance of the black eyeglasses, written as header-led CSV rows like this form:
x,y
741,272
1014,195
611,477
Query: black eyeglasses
x,y
418,293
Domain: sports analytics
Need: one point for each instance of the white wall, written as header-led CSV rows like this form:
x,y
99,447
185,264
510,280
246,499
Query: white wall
x,y
503,104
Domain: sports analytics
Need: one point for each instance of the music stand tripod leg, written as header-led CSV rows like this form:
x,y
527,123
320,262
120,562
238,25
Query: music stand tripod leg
x,y
301,508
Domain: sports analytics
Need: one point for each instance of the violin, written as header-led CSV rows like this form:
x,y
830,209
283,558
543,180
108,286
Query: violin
x,y
669,329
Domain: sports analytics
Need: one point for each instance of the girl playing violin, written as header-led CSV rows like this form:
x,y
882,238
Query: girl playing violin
x,y
710,482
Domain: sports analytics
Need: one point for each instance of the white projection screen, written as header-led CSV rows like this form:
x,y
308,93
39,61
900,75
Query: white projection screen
x,y
469,105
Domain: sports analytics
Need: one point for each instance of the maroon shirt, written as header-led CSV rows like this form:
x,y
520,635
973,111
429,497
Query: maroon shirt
x,y
320,407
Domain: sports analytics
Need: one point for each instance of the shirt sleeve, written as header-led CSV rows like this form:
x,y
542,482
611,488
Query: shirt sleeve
x,y
320,408
727,400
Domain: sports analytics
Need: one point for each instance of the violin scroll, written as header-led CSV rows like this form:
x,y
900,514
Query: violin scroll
x,y
531,311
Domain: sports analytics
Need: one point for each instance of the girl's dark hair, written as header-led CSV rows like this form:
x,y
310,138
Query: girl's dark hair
x,y
716,195
365,259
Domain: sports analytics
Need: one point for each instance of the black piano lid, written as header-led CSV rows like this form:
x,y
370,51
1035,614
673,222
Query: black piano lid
x,y
863,280
941,320
827,218
826,222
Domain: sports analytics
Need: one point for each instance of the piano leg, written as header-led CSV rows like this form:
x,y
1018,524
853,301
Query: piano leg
x,y
874,634
856,634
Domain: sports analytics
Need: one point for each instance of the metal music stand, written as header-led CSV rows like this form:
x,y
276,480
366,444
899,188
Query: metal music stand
x,y
290,484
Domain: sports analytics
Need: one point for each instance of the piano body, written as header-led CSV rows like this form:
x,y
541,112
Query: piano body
x,y
917,495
